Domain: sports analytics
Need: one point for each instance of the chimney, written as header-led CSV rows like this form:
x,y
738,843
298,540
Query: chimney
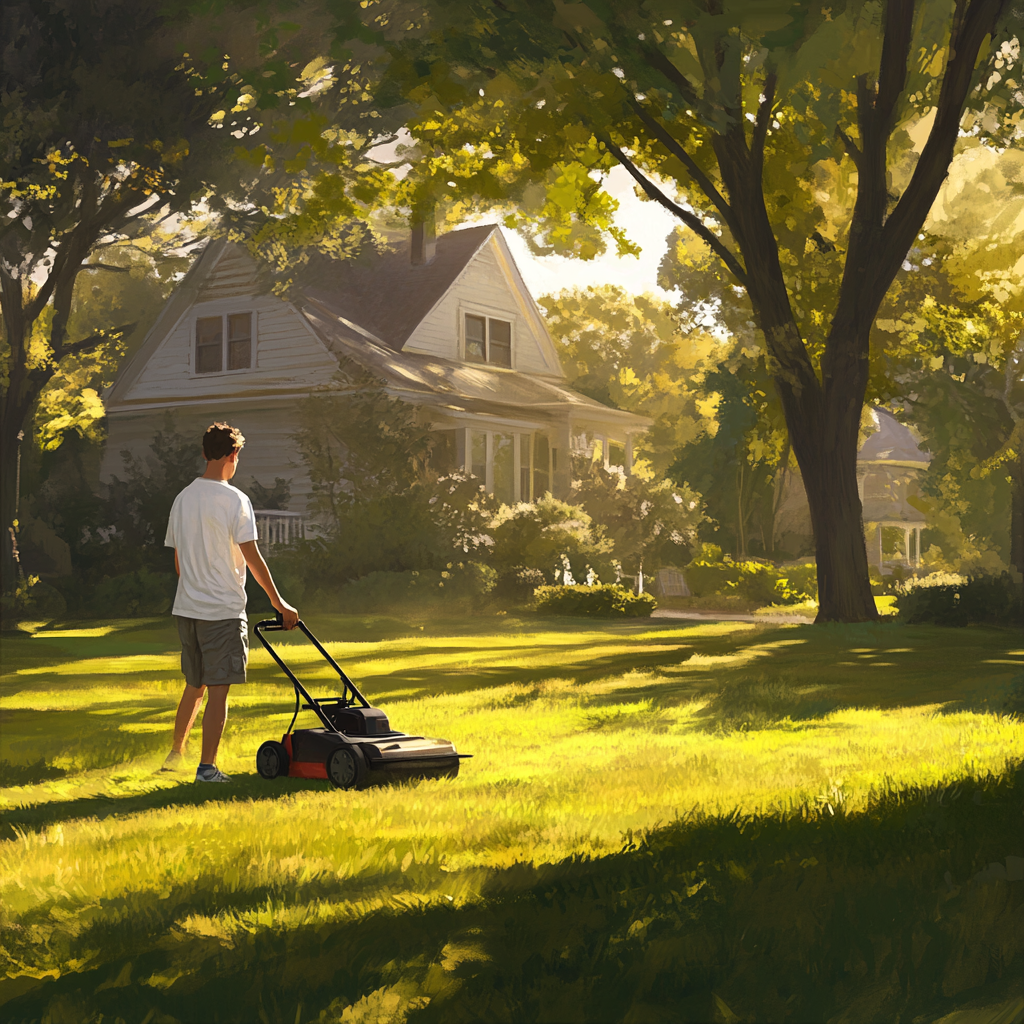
x,y
424,241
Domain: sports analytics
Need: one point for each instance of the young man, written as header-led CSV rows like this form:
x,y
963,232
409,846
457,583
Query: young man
x,y
212,529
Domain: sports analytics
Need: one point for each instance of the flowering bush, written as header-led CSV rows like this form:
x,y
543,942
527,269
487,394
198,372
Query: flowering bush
x,y
650,523
552,536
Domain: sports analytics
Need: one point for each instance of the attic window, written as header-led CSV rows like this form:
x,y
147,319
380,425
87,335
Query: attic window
x,y
488,341
224,342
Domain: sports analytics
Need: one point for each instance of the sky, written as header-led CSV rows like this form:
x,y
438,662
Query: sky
x,y
646,223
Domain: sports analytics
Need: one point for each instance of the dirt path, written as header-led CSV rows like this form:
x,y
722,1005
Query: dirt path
x,y
672,613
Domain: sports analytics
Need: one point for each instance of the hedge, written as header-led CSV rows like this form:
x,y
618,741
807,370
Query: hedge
x,y
602,601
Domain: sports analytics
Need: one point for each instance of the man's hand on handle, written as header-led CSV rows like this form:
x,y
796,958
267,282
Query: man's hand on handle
x,y
289,615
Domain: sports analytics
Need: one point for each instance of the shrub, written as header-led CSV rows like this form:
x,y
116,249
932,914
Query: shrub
x,y
650,523
381,506
461,585
134,593
803,578
759,582
706,577
604,601
946,599
517,585
32,599
551,536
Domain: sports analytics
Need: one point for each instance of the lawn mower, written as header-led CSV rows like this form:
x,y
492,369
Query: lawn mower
x,y
356,744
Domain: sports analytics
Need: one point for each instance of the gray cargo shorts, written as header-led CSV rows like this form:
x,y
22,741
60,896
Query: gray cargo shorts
x,y
213,653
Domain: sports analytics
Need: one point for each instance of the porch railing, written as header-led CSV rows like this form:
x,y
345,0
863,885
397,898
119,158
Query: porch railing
x,y
274,527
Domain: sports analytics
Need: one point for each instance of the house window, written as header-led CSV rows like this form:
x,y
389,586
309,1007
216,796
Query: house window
x,y
224,342
488,340
501,462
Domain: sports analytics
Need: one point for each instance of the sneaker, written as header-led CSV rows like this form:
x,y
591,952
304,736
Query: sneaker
x,y
211,774
174,762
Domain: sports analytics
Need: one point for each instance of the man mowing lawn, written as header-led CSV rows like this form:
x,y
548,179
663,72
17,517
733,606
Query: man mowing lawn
x,y
212,529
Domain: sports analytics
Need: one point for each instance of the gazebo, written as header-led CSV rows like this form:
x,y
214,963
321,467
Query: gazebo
x,y
888,466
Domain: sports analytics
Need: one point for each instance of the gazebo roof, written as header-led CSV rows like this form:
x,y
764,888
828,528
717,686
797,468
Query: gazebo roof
x,y
892,444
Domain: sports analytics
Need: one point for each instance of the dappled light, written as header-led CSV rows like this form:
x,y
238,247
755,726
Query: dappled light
x,y
644,776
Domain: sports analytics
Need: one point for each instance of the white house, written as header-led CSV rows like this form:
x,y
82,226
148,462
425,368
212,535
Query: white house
x,y
448,326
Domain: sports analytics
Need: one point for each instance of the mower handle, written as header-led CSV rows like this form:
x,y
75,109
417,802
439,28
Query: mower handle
x,y
276,625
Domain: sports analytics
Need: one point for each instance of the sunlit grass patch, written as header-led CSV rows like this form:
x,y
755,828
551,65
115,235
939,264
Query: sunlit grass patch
x,y
138,891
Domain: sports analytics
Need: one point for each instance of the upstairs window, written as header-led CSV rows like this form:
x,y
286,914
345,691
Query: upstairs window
x,y
224,343
488,341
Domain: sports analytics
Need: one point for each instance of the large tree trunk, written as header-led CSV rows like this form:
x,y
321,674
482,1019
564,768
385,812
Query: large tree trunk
x,y
829,469
8,503
13,409
1017,510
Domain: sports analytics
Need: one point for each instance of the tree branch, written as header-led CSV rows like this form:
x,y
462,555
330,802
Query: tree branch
x,y
659,62
969,32
850,146
764,116
865,107
93,341
703,182
892,69
106,266
689,219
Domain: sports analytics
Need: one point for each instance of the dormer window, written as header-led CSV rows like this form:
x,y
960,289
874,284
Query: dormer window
x,y
488,340
224,343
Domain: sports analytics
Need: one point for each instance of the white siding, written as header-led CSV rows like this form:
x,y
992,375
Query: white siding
x,y
288,356
233,275
487,287
269,449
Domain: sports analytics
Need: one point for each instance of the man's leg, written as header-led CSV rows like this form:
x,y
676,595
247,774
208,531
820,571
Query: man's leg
x,y
188,708
214,717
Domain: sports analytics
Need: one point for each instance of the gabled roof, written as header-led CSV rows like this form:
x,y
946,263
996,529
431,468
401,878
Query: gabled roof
x,y
183,296
388,295
468,386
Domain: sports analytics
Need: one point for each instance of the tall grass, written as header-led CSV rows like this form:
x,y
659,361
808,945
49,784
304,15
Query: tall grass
x,y
719,821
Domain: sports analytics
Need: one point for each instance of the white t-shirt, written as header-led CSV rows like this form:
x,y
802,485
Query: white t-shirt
x,y
209,520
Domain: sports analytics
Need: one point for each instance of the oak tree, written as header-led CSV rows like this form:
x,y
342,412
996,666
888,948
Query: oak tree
x,y
804,145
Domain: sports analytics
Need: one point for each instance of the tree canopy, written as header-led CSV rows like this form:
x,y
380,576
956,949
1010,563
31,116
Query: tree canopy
x,y
803,145
121,119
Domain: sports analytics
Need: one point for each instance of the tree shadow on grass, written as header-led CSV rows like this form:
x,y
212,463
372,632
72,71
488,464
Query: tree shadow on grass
x,y
180,792
28,774
762,701
895,913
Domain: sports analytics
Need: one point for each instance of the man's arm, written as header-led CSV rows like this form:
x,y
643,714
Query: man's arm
x,y
253,559
177,567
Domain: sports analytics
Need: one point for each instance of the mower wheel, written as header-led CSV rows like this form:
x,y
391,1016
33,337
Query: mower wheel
x,y
346,768
272,760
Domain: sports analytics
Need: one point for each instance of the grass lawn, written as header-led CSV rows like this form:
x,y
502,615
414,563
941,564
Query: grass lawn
x,y
662,821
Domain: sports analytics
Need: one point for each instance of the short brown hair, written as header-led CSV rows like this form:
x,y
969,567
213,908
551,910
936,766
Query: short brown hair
x,y
221,439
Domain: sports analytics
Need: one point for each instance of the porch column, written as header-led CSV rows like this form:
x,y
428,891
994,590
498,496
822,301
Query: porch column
x,y
917,547
629,454
561,459
906,542
879,547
